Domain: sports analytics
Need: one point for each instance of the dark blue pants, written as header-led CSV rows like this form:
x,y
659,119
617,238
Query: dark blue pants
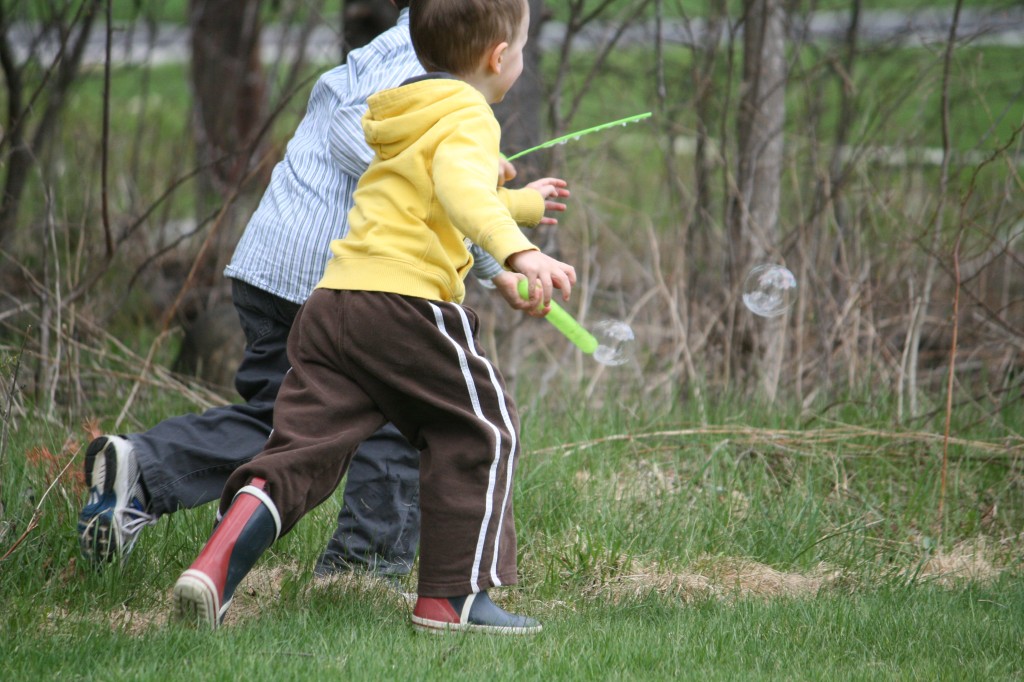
x,y
186,460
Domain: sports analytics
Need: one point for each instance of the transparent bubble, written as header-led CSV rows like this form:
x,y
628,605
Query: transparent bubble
x,y
615,342
769,290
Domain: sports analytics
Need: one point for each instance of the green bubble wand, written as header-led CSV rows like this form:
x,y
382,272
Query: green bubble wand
x,y
565,323
580,133
557,316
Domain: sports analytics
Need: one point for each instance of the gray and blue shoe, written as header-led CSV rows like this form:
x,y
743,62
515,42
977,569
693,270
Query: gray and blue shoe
x,y
115,511
471,613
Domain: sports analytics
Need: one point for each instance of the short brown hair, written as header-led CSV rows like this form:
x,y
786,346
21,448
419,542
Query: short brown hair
x,y
454,35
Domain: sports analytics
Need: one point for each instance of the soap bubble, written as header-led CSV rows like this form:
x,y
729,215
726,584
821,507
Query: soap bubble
x,y
769,290
615,342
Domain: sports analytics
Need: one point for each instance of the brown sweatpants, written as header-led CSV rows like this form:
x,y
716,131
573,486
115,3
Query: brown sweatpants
x,y
361,359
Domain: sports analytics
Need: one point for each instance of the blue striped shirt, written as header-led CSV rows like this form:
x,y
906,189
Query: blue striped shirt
x,y
286,244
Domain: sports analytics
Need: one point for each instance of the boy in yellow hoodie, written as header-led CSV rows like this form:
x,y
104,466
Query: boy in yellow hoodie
x,y
384,337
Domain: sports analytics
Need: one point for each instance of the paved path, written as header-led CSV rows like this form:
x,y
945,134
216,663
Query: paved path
x,y
138,44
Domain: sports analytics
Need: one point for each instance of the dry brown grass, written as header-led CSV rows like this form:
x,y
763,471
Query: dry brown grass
x,y
257,591
968,561
732,578
726,579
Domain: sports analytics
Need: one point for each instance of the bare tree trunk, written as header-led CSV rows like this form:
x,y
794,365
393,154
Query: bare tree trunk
x,y
20,145
705,59
847,114
229,86
364,20
228,113
921,305
762,113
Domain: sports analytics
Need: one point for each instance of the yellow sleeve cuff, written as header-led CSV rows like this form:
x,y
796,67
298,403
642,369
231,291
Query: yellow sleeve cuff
x,y
525,205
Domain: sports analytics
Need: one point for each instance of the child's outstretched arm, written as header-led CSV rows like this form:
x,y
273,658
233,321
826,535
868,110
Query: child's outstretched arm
x,y
552,189
545,274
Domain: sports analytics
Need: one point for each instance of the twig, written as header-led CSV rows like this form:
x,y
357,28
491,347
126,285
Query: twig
x,y
7,414
37,513
949,383
943,184
105,154
776,436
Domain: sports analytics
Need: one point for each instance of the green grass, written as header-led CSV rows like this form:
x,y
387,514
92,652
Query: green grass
x,y
767,546
921,633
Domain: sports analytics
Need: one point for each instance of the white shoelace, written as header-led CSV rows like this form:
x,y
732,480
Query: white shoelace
x,y
130,521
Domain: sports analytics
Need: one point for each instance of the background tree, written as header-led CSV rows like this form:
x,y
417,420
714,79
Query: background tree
x,y
364,20
56,35
228,88
766,143
229,115
760,119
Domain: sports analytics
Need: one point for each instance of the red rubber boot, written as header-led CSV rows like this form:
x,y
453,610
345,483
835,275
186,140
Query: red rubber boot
x,y
251,524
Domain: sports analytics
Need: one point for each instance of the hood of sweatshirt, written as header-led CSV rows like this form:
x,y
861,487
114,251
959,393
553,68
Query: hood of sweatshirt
x,y
399,117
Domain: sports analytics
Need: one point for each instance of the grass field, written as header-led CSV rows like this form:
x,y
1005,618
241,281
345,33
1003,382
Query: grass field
x,y
668,528
766,547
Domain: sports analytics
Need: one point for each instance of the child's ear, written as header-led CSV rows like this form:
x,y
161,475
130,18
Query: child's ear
x,y
495,57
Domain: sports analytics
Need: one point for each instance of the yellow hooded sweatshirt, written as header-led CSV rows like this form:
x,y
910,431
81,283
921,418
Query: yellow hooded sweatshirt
x,y
431,185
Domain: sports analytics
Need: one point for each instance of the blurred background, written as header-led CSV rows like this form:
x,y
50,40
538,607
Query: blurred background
x,y
873,148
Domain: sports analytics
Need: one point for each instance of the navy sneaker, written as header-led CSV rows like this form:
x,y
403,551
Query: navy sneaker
x,y
115,512
472,613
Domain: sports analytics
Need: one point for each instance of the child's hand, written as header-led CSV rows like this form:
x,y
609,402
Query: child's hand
x,y
507,284
551,188
506,172
546,274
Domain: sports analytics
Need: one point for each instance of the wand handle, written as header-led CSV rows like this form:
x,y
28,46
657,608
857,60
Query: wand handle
x,y
565,323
